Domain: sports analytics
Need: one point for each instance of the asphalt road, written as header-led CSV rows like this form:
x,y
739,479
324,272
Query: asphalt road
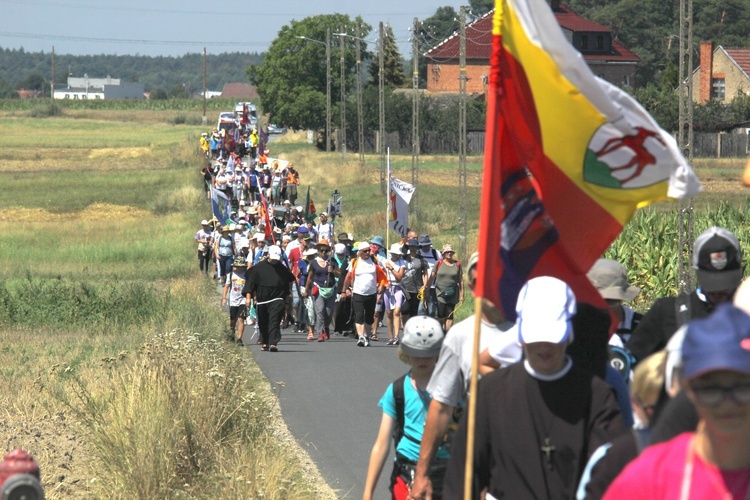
x,y
329,393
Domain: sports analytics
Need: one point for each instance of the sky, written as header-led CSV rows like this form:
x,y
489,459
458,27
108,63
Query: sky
x,y
177,27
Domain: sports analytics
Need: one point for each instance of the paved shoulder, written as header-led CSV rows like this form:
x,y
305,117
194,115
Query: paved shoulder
x,y
329,393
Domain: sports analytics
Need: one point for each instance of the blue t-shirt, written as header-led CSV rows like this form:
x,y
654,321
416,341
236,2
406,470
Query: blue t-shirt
x,y
415,414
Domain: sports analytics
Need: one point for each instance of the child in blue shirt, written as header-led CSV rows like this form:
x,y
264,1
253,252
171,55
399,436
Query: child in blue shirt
x,y
404,405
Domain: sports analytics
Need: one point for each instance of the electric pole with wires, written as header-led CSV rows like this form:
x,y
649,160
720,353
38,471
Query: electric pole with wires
x,y
415,117
381,107
686,220
462,194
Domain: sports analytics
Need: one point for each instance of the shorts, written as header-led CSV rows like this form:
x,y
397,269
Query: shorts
x,y
445,310
394,298
236,312
364,308
410,306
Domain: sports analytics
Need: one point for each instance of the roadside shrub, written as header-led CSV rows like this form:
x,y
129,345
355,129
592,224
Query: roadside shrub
x,y
185,119
46,110
66,303
187,419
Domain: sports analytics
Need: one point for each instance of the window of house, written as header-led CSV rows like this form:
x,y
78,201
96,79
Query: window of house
x,y
626,81
717,89
599,42
584,42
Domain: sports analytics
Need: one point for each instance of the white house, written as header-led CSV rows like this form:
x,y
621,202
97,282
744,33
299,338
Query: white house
x,y
99,88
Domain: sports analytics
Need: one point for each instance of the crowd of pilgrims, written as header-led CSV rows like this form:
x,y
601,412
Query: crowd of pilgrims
x,y
567,406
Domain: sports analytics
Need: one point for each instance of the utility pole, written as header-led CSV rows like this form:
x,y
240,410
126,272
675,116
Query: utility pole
x,y
686,220
328,90
52,84
343,93
415,116
205,120
360,116
462,194
381,108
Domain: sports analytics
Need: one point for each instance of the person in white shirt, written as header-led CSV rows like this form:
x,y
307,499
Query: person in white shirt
x,y
324,229
364,283
393,297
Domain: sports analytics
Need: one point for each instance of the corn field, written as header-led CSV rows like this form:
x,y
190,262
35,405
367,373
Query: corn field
x,y
648,246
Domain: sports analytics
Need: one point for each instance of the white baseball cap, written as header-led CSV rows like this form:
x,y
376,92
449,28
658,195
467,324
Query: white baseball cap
x,y
545,309
274,252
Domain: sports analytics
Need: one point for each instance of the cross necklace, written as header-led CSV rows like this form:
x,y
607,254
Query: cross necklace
x,y
548,449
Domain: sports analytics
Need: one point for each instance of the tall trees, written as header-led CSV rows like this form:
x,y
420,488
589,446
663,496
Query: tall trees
x,y
393,70
292,79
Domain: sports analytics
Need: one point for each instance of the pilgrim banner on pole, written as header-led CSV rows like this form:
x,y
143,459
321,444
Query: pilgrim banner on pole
x,y
334,207
569,159
221,206
398,215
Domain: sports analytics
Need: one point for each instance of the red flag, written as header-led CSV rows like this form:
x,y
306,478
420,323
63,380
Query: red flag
x,y
569,158
267,218
244,118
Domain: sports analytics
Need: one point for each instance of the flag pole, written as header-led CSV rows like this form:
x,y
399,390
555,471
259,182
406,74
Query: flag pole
x,y
484,225
388,204
472,415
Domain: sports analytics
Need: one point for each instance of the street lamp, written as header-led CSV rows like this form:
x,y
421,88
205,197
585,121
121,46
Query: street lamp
x,y
327,44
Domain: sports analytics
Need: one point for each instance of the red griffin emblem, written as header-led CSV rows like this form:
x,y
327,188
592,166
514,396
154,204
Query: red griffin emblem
x,y
641,156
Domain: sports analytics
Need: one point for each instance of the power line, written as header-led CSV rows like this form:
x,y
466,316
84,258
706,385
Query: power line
x,y
234,14
40,36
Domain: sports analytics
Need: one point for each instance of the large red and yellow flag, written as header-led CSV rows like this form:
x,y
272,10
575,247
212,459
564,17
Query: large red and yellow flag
x,y
569,158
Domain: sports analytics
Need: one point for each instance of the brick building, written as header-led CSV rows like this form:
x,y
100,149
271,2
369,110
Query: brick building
x,y
723,74
606,57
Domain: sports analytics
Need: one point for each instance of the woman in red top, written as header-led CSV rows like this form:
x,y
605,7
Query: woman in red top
x,y
714,461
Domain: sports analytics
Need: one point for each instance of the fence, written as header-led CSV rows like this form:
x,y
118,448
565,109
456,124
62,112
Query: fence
x,y
705,145
711,145
431,143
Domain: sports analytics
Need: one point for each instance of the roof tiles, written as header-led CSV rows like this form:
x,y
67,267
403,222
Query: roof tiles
x,y
479,39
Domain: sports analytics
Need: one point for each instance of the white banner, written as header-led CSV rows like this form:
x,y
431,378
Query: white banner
x,y
334,207
398,216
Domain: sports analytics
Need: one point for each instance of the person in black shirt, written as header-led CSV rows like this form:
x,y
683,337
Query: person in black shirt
x,y
268,282
537,421
717,259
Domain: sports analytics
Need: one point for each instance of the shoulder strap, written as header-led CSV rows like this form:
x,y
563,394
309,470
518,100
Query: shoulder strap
x,y
438,263
398,396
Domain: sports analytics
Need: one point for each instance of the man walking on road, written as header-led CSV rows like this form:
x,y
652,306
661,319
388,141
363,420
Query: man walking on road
x,y
269,283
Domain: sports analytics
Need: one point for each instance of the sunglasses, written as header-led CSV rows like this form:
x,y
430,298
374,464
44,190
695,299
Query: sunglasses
x,y
365,251
711,396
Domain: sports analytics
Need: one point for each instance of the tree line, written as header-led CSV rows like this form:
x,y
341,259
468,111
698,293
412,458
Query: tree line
x,y
167,76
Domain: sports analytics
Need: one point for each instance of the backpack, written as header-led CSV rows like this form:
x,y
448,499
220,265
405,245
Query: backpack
x,y
400,399
398,396
622,360
381,277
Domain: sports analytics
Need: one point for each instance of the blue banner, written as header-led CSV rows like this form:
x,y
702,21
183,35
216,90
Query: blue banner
x,y
221,207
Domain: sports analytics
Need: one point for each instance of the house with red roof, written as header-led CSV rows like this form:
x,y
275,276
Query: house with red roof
x,y
606,57
723,74
239,90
